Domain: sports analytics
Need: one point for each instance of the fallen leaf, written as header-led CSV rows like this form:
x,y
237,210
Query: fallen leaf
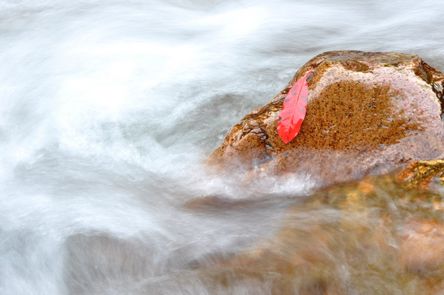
x,y
294,110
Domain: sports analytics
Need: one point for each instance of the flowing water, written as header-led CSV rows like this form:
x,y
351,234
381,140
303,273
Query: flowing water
x,y
109,108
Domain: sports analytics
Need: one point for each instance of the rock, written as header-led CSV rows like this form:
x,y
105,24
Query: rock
x,y
422,173
368,113
381,235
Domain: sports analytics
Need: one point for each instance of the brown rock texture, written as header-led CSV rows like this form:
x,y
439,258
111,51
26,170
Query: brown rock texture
x,y
367,113
380,235
423,173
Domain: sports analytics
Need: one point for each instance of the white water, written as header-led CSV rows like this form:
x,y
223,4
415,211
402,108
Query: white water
x,y
108,108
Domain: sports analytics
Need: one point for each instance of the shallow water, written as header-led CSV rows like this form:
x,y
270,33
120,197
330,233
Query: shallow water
x,y
108,108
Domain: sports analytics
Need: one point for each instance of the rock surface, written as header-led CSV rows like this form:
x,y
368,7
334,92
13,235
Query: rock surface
x,y
381,235
368,113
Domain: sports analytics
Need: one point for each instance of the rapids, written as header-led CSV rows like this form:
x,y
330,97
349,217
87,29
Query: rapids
x,y
108,110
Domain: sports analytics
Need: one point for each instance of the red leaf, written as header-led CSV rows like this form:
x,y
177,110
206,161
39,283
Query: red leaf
x,y
293,110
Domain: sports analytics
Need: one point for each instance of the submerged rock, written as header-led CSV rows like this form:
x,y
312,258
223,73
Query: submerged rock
x,y
381,235
368,113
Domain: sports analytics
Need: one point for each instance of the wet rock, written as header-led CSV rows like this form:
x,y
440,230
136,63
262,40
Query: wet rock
x,y
368,113
381,235
423,173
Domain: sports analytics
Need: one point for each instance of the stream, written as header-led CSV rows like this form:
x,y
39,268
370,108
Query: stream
x,y
109,109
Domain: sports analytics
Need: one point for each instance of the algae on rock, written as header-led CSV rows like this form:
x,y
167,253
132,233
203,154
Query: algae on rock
x,y
368,113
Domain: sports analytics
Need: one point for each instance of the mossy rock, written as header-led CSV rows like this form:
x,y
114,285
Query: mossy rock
x,y
367,113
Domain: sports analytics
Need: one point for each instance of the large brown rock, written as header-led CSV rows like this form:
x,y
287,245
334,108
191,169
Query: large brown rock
x,y
368,113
